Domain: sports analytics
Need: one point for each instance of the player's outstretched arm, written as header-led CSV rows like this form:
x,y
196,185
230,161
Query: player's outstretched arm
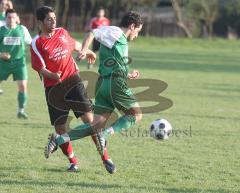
x,y
78,46
85,45
51,75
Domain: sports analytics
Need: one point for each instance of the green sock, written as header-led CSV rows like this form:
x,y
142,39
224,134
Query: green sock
x,y
75,134
22,99
123,123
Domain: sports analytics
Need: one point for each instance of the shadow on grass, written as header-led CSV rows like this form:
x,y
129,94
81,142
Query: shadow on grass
x,y
93,185
5,171
52,184
194,190
221,87
57,184
205,116
185,62
23,123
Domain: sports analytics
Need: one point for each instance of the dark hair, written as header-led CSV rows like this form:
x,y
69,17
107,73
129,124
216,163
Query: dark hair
x,y
130,18
42,12
10,11
100,8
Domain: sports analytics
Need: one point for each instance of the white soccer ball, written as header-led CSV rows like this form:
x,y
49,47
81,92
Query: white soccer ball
x,y
160,129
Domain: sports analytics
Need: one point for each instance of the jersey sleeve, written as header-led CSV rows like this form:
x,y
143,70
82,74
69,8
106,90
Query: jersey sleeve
x,y
36,57
71,42
107,22
91,23
107,35
27,36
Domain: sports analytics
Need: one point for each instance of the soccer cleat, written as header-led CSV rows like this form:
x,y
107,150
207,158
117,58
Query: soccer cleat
x,y
22,115
109,165
1,91
100,142
51,145
72,168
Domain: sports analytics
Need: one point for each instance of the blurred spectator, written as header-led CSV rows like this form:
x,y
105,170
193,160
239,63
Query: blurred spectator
x,y
97,22
4,5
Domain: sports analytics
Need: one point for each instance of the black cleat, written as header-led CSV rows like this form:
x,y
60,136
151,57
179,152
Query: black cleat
x,y
72,168
22,115
109,165
51,145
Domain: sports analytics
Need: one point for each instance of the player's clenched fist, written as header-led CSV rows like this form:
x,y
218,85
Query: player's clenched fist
x,y
134,74
91,56
5,55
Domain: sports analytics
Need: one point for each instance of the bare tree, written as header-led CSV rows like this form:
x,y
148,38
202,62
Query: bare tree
x,y
179,18
65,13
205,11
57,9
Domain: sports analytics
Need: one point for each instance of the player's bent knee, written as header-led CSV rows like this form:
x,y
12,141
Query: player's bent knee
x,y
21,88
60,129
136,112
99,121
87,117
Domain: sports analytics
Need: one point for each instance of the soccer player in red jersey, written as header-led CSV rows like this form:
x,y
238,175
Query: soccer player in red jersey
x,y
51,55
97,22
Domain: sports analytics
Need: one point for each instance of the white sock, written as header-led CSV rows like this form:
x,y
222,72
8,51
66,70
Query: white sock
x,y
21,110
110,130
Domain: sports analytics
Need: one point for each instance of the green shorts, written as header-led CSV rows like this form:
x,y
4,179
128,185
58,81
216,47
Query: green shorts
x,y
111,93
17,68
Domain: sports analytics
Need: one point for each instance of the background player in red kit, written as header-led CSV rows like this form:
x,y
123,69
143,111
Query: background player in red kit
x,y
51,57
97,22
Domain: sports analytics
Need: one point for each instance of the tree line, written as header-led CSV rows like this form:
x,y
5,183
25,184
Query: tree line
x,y
197,18
208,17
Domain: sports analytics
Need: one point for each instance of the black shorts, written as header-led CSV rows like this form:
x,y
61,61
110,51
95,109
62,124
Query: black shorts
x,y
96,45
65,96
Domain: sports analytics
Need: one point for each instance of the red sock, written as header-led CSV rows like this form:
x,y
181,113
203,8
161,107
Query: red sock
x,y
68,151
105,155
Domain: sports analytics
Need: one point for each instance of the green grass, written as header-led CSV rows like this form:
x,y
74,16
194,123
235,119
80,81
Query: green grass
x,y
204,85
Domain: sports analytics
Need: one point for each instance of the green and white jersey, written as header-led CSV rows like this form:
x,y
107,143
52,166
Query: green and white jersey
x,y
2,19
13,41
113,54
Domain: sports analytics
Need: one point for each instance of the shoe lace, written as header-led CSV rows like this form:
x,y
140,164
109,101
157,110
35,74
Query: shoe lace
x,y
52,144
101,142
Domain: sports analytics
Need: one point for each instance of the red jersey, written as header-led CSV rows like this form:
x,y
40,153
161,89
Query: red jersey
x,y
55,54
97,22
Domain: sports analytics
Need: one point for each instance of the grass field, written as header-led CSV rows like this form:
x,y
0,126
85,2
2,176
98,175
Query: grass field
x,y
203,156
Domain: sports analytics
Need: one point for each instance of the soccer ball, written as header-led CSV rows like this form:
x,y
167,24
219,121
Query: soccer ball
x,y
160,129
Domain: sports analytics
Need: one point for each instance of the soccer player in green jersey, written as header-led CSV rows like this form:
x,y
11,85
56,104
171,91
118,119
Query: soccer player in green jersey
x,y
12,56
111,88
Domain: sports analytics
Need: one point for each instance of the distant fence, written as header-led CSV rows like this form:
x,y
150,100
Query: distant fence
x,y
158,22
